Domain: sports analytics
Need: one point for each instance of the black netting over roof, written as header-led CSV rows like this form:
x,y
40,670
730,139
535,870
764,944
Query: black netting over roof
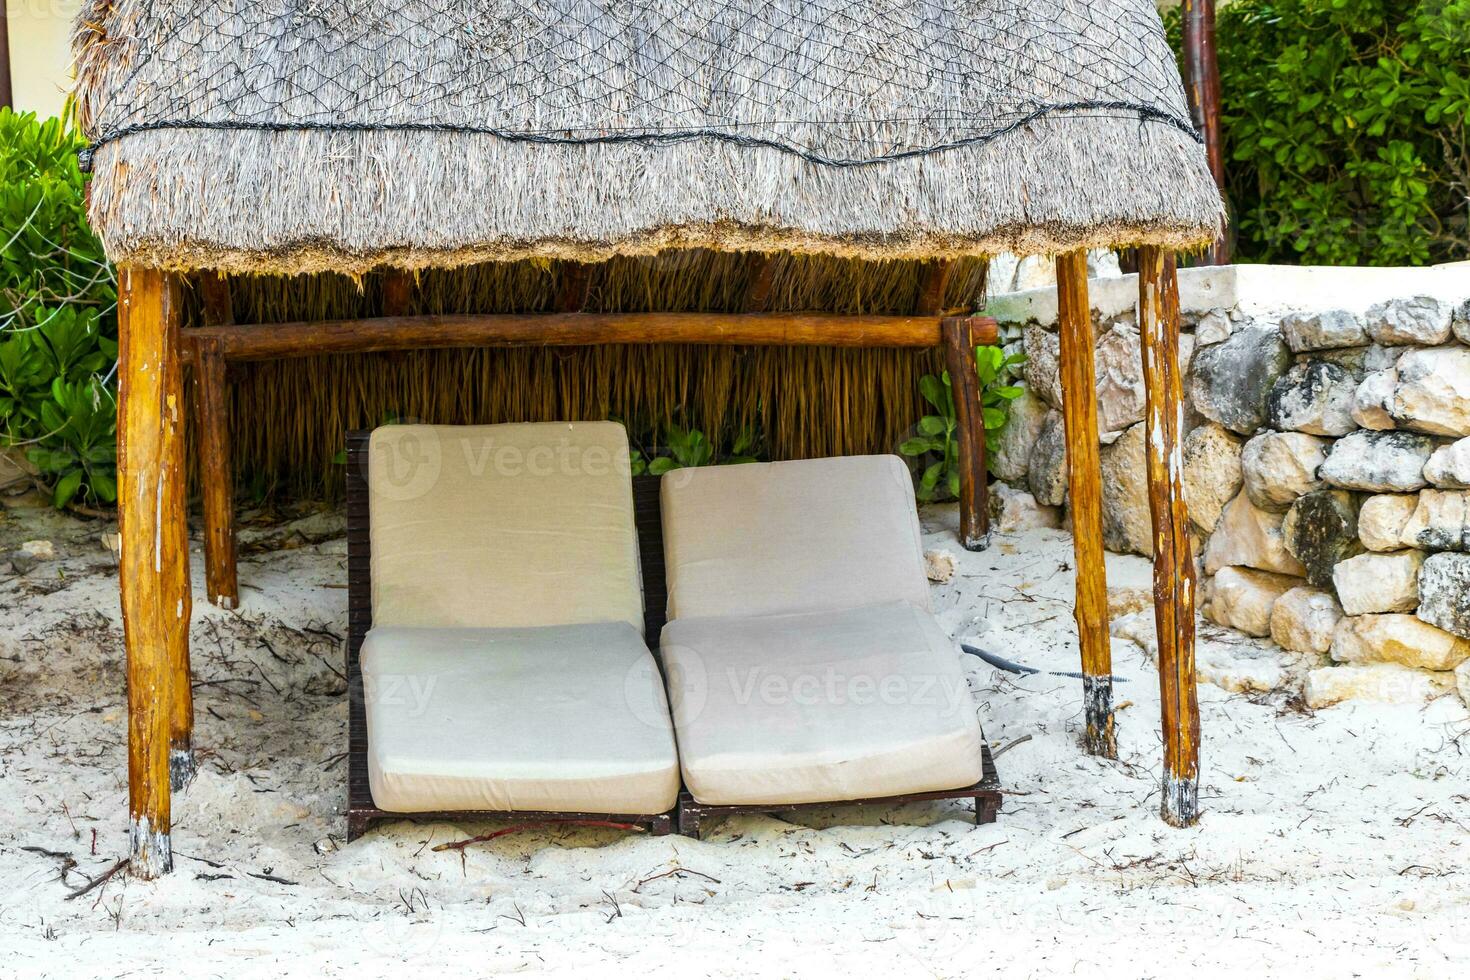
x,y
837,82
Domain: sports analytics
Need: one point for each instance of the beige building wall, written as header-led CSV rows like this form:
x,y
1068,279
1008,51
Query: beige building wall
x,y
40,53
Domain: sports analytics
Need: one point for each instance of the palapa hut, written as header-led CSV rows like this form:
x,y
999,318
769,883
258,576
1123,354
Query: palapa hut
x,y
602,176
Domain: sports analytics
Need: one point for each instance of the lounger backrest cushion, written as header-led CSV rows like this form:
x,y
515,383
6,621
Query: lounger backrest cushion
x,y
800,536
503,525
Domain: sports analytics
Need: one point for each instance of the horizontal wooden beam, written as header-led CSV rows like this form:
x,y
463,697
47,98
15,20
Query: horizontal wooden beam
x,y
244,342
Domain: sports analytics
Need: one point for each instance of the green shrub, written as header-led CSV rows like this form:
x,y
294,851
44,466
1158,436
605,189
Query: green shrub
x,y
1344,124
937,444
690,447
58,329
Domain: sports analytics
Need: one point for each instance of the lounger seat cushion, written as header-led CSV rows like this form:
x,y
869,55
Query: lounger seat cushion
x,y
503,525
568,718
793,536
820,706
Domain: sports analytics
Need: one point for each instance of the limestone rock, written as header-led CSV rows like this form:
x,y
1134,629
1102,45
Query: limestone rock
x,y
1245,666
1013,509
1047,472
1380,358
1398,639
1433,391
1323,331
1250,537
1212,473
1119,367
1278,467
1440,522
1384,683
1140,628
1043,364
1009,450
1242,598
1304,618
1460,324
1314,396
1213,327
1035,272
1378,583
1372,398
1382,518
1127,524
1231,381
1378,461
1125,600
1416,320
1449,466
1444,592
1320,530
939,565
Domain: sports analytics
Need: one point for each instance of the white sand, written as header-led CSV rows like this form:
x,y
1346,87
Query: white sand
x,y
1335,843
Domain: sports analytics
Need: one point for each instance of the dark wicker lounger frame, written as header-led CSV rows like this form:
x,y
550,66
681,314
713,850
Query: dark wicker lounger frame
x,y
362,812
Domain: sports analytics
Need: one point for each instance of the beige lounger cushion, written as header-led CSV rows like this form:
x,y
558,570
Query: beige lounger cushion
x,y
824,706
503,525
551,718
810,534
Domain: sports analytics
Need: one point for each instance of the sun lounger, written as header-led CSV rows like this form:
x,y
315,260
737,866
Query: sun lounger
x,y
497,663
804,663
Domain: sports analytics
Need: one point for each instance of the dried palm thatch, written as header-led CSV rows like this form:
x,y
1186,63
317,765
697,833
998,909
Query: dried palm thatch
x,y
344,135
289,416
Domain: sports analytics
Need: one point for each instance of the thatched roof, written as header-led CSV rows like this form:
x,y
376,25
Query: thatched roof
x,y
300,135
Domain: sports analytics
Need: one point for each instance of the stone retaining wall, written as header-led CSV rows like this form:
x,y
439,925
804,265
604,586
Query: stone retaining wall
x,y
1327,463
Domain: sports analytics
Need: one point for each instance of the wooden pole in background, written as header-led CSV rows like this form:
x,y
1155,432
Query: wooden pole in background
x,y
1084,486
1202,77
959,355
1174,573
210,396
149,462
7,94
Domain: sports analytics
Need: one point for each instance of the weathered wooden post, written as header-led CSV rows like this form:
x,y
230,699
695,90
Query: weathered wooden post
x,y
174,560
1084,486
210,396
1202,78
1174,573
153,566
969,414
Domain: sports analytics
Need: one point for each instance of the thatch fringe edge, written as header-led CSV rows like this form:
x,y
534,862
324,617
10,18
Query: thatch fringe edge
x,y
249,202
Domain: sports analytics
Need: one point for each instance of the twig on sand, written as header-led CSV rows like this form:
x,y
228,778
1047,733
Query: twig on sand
x,y
460,845
99,880
675,871
1008,746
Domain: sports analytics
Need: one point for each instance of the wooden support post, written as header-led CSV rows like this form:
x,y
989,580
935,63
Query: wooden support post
x,y
959,354
576,287
154,588
397,292
217,305
216,481
1084,485
762,272
932,287
209,393
1174,574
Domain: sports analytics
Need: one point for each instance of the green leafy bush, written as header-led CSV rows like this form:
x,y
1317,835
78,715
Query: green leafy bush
x,y
58,330
1345,131
691,447
937,442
